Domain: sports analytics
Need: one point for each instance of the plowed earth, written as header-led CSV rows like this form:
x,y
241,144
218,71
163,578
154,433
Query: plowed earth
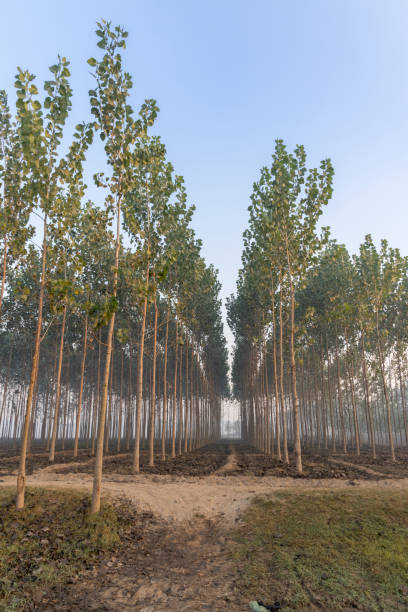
x,y
209,459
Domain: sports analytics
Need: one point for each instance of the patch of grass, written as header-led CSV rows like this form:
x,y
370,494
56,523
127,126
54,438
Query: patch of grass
x,y
49,542
326,550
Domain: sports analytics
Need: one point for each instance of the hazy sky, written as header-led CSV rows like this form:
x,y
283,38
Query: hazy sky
x,y
231,76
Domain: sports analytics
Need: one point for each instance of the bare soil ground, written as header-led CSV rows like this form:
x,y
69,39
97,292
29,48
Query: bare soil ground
x,y
38,459
209,459
382,463
177,559
200,462
322,464
255,463
162,567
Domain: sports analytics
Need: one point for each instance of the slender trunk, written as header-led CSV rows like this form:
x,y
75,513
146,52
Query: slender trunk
x,y
174,407
3,276
109,407
139,393
340,398
297,446
163,440
97,482
21,478
97,401
350,368
275,378
129,396
386,396
120,405
186,404
281,374
367,397
58,391
81,387
324,406
403,399
153,402
3,401
180,407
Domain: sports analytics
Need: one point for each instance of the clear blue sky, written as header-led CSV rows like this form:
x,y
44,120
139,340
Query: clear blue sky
x,y
230,76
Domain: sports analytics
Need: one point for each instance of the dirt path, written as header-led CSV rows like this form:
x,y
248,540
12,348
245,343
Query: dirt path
x,y
181,562
171,568
182,498
232,462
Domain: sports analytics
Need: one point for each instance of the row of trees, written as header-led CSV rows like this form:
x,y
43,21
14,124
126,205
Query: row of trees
x,y
320,336
111,326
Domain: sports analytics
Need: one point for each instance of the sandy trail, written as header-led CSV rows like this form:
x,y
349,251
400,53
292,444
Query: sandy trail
x,y
183,498
231,464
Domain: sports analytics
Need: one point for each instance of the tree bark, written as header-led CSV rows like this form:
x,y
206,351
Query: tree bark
x,y
81,387
58,391
153,402
139,392
297,445
163,440
97,481
21,477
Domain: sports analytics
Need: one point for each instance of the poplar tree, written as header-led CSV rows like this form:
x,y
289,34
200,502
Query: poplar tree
x,y
47,174
117,130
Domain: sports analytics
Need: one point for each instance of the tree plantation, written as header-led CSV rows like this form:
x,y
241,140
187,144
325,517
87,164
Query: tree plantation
x,y
140,467
111,331
321,343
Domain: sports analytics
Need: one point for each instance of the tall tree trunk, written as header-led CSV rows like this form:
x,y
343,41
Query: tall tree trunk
x,y
340,398
120,405
367,397
180,406
324,406
97,481
139,393
153,402
174,407
403,399
281,375
275,378
186,423
109,406
21,477
350,368
385,389
129,396
97,401
163,440
296,425
4,269
58,391
81,387
332,423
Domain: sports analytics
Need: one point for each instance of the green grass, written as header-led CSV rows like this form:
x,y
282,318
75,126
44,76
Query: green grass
x,y
326,550
49,542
